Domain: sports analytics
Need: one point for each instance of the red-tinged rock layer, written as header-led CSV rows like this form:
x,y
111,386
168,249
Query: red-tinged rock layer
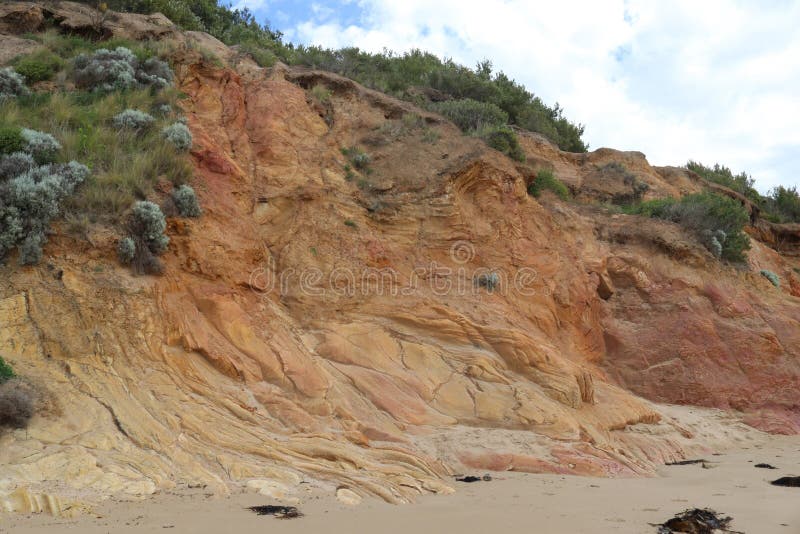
x,y
387,326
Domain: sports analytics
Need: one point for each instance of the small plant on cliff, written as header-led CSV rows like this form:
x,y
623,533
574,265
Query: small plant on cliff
x,y
185,200
6,372
179,135
772,277
546,181
146,225
490,281
133,119
321,93
12,84
16,404
126,250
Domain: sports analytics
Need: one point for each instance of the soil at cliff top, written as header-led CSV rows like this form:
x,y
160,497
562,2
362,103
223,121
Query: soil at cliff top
x,y
511,502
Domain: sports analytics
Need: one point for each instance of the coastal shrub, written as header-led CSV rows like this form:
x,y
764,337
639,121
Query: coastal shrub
x,y
146,226
179,135
185,201
358,158
470,115
11,140
16,404
126,250
321,93
163,109
502,139
705,215
14,164
546,181
29,202
119,69
490,281
772,277
785,202
38,66
12,84
133,119
42,146
6,372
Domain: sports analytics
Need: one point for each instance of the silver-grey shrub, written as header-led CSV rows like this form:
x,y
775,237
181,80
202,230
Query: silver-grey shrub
x,y
42,146
12,165
179,135
133,119
126,250
12,84
185,200
146,226
30,201
772,277
110,70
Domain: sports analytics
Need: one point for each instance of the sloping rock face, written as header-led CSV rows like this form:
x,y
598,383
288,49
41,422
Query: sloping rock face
x,y
384,329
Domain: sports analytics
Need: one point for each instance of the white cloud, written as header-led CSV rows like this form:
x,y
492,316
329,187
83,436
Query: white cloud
x,y
712,81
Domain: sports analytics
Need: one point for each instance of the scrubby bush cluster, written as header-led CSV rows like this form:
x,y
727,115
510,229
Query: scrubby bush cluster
x,y
110,70
146,239
503,139
12,84
471,115
615,170
179,135
42,146
716,220
546,181
401,75
772,277
133,119
16,401
185,201
358,158
490,281
39,66
782,204
31,195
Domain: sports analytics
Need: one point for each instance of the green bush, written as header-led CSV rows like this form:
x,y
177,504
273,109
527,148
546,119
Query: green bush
x,y
11,140
705,214
358,158
772,277
546,181
470,115
6,372
126,250
503,139
39,66
785,203
719,174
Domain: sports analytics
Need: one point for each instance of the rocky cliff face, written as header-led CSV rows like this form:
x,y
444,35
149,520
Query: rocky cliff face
x,y
383,331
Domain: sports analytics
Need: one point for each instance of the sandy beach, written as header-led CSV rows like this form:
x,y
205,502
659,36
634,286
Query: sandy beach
x,y
511,502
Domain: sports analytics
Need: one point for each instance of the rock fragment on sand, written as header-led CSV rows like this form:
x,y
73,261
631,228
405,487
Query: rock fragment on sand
x,y
348,497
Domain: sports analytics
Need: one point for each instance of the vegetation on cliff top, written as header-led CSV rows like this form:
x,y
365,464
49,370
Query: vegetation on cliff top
x,y
410,75
782,204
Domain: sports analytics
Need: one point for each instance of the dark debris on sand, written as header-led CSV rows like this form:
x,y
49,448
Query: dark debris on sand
x,y
280,512
788,482
765,466
686,462
471,478
696,521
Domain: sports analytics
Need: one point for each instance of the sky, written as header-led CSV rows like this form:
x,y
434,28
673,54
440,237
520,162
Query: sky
x,y
711,80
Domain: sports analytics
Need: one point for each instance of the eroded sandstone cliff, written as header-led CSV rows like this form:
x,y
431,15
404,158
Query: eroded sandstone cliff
x,y
312,327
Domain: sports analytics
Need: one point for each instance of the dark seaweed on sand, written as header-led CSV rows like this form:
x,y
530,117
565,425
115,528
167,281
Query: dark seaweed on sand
x,y
696,521
281,512
789,482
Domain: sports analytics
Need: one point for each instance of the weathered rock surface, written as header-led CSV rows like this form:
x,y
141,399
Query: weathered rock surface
x,y
311,328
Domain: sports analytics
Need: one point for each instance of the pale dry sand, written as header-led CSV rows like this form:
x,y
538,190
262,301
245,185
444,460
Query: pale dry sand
x,y
512,502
